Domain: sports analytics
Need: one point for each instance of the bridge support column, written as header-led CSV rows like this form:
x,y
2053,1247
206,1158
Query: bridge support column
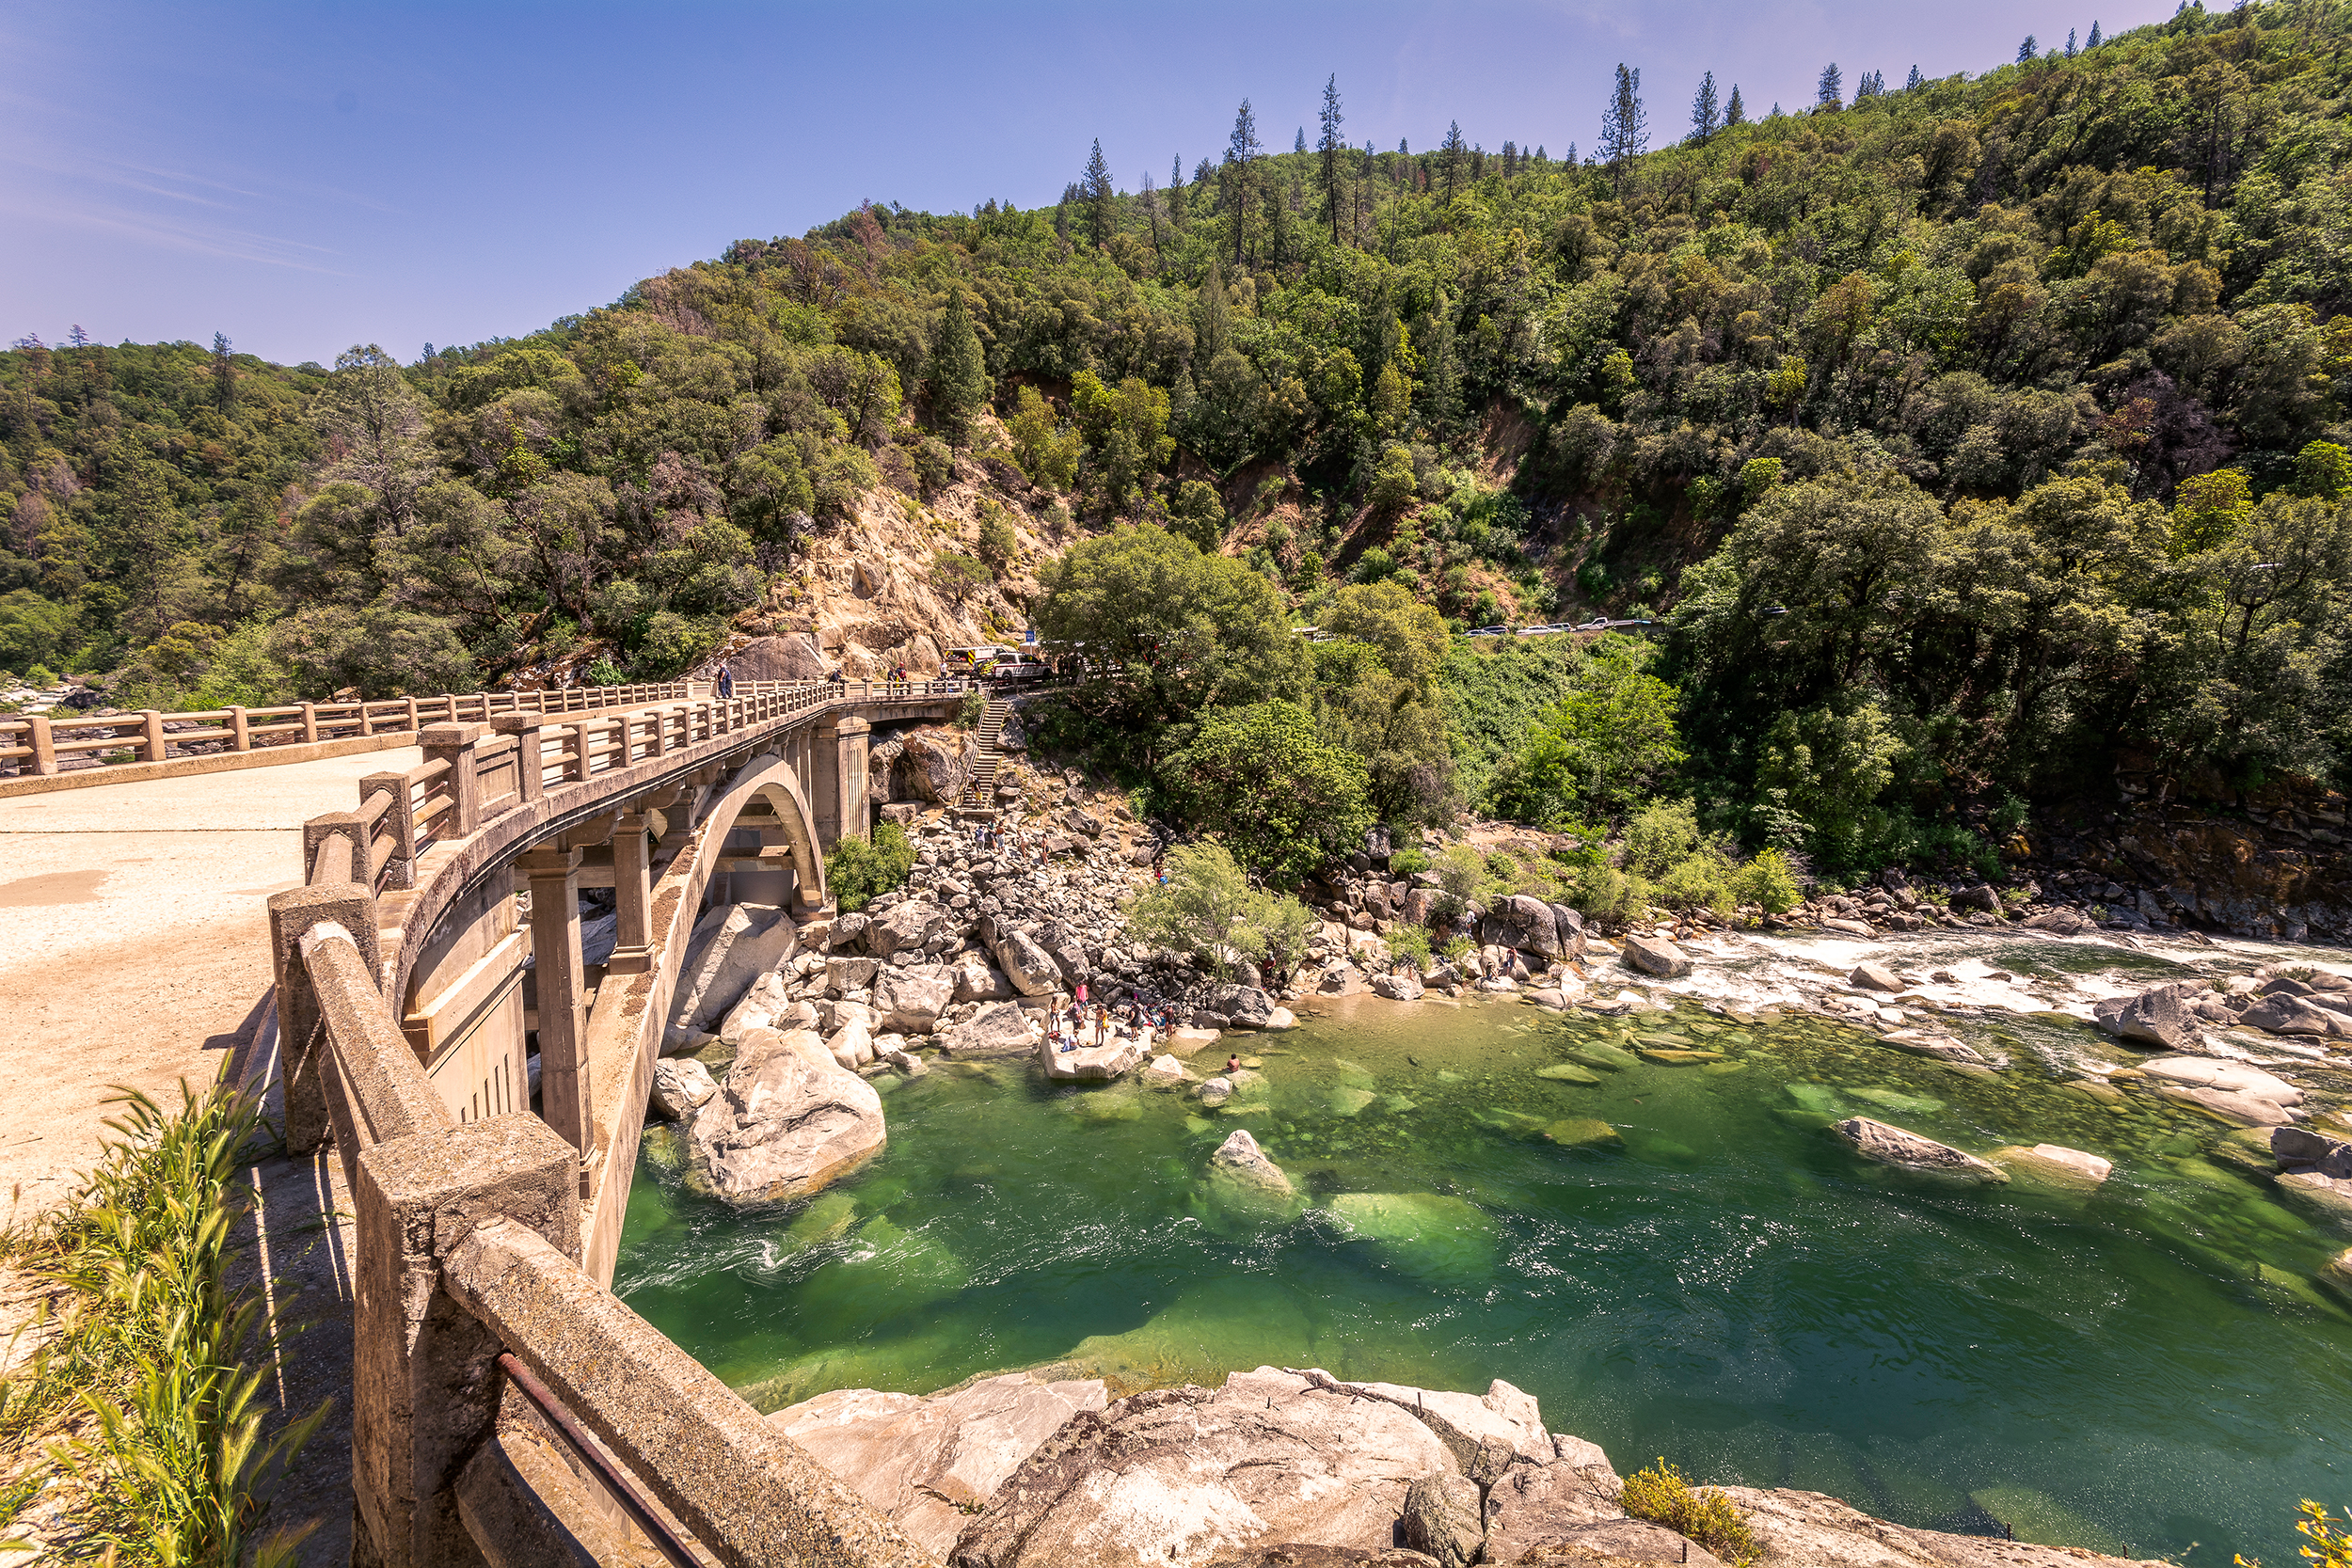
x,y
840,802
563,1076
632,895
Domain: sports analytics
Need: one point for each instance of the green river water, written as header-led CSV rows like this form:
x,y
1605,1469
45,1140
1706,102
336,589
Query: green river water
x,y
2146,1368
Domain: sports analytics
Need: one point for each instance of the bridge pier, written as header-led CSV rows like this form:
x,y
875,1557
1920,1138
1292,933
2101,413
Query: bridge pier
x,y
841,755
563,1076
632,894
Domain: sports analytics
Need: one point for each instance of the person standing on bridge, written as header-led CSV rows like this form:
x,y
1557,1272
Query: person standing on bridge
x,y
726,683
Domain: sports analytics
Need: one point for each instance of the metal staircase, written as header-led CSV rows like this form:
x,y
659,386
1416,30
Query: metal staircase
x,y
980,790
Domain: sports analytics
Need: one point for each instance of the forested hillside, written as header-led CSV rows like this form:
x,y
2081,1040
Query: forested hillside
x,y
1965,436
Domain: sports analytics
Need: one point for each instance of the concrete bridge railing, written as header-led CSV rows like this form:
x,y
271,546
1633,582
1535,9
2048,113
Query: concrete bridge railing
x,y
506,1408
44,745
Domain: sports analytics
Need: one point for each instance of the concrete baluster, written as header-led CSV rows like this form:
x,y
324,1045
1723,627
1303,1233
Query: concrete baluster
x,y
530,747
309,722
152,747
240,730
45,743
413,722
400,820
563,1076
454,744
304,1058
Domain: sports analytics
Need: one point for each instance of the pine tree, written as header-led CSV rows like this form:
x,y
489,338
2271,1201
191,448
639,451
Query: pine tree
x,y
2070,43
1624,124
1705,115
1330,145
2095,37
1094,189
1241,150
2025,50
1451,153
1735,112
959,373
1831,94
1151,215
1214,331
224,374
78,338
1915,79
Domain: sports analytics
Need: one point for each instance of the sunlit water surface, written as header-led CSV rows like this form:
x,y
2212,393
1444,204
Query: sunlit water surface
x,y
2147,1367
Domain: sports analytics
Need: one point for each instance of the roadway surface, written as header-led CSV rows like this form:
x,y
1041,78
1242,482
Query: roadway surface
x,y
135,942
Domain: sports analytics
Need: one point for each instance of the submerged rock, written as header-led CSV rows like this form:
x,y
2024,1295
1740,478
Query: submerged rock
x,y
925,1462
1584,1132
1893,1145
2055,1163
1567,1072
1189,1476
1425,1234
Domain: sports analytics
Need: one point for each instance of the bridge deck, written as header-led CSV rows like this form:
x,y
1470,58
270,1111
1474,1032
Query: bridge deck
x,y
134,941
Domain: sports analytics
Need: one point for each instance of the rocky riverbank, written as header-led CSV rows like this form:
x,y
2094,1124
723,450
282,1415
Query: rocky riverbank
x,y
1286,1467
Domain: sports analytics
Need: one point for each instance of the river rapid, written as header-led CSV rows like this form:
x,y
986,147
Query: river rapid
x,y
1675,1256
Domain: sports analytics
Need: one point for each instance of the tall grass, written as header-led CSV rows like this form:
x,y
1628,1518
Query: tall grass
x,y
152,1417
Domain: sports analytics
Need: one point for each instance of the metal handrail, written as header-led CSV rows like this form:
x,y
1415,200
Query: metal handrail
x,y
613,1478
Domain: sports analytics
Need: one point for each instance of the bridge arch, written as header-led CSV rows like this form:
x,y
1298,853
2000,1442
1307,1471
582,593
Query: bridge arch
x,y
772,778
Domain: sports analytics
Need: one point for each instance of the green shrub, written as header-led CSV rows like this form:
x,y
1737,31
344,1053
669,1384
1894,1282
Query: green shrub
x,y
1406,863
1700,880
1659,837
1410,943
1205,908
1453,949
1769,881
601,671
169,1465
1606,895
40,674
1661,1495
858,871
969,711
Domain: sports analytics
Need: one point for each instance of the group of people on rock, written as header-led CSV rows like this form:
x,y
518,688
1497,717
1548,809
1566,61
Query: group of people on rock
x,y
1098,1023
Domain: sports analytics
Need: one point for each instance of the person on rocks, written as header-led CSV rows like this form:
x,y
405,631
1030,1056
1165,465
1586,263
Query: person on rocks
x,y
1233,1063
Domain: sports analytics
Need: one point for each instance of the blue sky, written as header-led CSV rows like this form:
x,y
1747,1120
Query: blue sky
x,y
305,177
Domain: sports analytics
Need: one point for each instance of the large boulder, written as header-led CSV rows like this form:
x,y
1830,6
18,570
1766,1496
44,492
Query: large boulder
x,y
905,926
788,1120
1091,1063
1482,1432
978,980
1240,1006
1656,955
2213,1072
1571,928
910,1000
1547,1499
1028,966
680,1088
1807,1527
790,657
1245,1187
998,1029
2292,1015
733,945
1399,984
759,1009
2160,1017
2296,1147
932,767
1444,1517
1523,922
926,1463
1189,1476
1894,1145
